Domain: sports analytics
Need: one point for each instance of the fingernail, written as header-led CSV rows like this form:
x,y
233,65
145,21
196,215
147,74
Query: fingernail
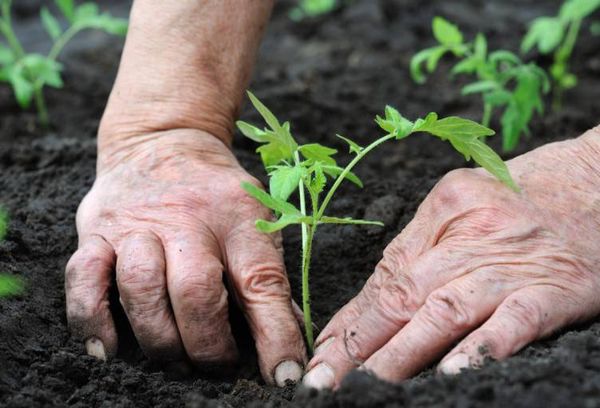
x,y
319,377
455,364
287,371
323,346
95,348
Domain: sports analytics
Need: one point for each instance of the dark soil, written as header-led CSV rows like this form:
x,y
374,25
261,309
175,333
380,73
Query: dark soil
x,y
328,75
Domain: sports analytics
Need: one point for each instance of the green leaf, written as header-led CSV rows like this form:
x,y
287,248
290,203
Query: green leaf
x,y
454,127
107,23
318,153
468,65
67,8
42,69
434,58
546,33
578,9
284,181
3,223
252,132
22,87
482,154
11,285
480,87
480,46
446,33
271,202
85,13
595,28
416,62
348,220
51,24
505,57
335,171
394,123
498,97
270,227
354,147
318,181
267,115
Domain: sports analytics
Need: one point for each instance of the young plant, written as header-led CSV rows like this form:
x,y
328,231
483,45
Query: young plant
x,y
9,284
559,35
503,80
311,171
312,8
29,73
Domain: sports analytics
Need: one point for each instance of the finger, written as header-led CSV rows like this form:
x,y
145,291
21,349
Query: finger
x,y
87,282
258,274
199,299
397,300
525,316
141,278
413,241
446,316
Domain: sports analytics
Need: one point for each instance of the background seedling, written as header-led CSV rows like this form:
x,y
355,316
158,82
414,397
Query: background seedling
x,y
595,28
503,80
29,73
559,35
307,169
9,284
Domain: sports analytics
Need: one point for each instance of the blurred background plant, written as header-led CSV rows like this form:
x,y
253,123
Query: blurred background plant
x,y
10,285
28,73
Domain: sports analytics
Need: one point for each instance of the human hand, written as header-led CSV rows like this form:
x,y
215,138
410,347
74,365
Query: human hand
x,y
479,263
168,214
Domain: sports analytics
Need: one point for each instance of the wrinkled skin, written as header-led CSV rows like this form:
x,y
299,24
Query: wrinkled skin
x,y
168,214
480,272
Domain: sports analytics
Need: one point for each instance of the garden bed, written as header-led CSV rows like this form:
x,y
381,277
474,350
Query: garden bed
x,y
328,75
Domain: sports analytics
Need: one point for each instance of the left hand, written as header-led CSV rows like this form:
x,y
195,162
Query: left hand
x,y
480,263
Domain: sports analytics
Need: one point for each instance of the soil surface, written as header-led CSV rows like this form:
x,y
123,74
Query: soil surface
x,y
327,75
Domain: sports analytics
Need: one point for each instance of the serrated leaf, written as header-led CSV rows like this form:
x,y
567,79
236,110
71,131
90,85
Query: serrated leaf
x,y
67,8
318,180
394,123
354,147
252,132
348,220
455,127
318,153
482,154
284,181
446,33
50,23
269,201
11,285
335,171
285,220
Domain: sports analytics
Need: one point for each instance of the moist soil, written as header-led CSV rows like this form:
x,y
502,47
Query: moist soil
x,y
326,75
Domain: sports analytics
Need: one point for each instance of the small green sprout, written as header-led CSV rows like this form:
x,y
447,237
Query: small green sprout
x,y
312,8
559,35
307,169
10,285
503,80
28,73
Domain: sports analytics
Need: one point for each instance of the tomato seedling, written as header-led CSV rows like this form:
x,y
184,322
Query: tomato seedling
x,y
29,73
10,285
307,168
503,80
559,35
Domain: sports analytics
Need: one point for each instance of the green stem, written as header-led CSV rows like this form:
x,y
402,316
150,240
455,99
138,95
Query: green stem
x,y
62,41
306,256
40,104
487,114
7,30
561,57
347,170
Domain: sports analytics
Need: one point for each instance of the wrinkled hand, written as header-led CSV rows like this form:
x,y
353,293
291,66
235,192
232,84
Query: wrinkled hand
x,y
168,214
479,263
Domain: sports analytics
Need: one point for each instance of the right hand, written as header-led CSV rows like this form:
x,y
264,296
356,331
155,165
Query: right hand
x,y
168,215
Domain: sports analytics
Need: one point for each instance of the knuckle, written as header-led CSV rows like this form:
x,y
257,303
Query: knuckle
x,y
396,300
354,345
452,188
83,262
526,312
394,256
141,274
264,281
206,285
447,311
